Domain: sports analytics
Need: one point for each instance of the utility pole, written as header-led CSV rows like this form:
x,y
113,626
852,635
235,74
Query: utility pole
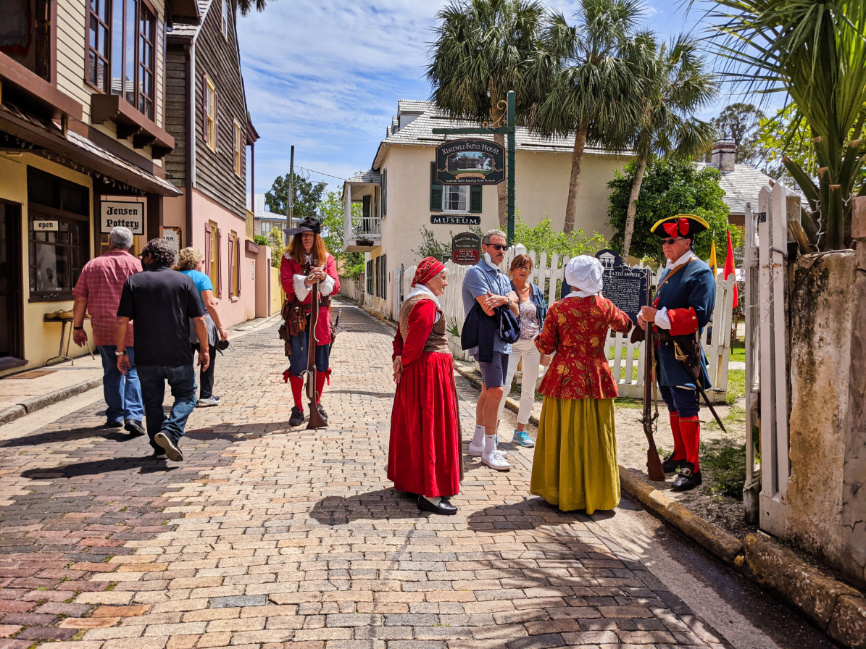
x,y
290,201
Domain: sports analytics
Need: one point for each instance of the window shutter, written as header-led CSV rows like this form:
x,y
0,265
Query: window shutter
x,y
366,206
475,199
208,243
370,277
384,277
384,192
435,190
240,264
231,251
219,249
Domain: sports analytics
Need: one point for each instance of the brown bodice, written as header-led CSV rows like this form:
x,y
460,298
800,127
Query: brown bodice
x,y
437,341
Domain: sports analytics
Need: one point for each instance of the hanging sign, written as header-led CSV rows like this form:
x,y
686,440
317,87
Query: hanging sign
x,y
172,234
470,162
466,249
113,214
623,285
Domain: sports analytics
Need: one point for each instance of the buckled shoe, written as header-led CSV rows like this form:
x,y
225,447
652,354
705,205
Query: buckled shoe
x,y
297,417
670,464
687,478
444,507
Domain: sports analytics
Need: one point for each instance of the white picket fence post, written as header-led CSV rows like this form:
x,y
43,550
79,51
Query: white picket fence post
x,y
626,369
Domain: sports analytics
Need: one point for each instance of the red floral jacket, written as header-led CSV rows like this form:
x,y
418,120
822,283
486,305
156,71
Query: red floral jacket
x,y
576,330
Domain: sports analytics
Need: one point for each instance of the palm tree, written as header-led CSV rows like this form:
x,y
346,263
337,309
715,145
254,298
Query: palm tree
x,y
676,84
245,6
482,50
593,95
815,51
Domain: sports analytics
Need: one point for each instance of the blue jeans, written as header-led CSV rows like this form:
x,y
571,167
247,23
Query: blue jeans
x,y
122,393
182,382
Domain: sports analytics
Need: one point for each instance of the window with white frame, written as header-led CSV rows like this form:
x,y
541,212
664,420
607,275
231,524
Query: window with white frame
x,y
455,198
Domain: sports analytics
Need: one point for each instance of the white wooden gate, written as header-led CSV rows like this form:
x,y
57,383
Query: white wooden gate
x,y
766,357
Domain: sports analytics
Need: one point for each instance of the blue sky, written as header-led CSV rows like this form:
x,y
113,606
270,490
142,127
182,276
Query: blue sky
x,y
325,76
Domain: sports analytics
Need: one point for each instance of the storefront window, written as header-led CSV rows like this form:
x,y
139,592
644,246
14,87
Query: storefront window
x,y
58,235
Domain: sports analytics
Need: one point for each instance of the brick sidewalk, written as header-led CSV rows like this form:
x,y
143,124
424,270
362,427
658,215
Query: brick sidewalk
x,y
267,536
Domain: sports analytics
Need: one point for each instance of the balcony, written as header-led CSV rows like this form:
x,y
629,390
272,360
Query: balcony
x,y
362,229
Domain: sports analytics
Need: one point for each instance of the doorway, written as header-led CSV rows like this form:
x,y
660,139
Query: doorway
x,y
11,291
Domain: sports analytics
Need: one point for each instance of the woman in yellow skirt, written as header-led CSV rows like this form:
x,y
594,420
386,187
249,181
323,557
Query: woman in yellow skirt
x,y
575,464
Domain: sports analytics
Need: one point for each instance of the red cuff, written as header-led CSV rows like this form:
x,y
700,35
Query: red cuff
x,y
683,321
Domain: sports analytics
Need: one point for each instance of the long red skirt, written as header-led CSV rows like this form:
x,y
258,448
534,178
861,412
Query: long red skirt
x,y
424,456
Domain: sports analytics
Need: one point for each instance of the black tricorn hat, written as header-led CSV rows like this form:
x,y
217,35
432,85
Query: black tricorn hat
x,y
309,224
681,225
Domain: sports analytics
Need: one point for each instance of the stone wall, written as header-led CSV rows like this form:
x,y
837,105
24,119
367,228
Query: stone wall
x,y
826,503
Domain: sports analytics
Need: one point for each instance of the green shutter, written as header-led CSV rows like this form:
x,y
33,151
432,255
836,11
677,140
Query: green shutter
x,y
384,192
475,199
435,190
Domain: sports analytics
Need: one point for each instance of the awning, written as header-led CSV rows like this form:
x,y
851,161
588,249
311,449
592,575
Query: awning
x,y
46,134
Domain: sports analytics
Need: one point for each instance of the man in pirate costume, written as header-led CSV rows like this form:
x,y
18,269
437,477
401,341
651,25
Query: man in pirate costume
x,y
683,305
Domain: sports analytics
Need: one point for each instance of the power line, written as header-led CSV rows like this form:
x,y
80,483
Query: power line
x,y
321,173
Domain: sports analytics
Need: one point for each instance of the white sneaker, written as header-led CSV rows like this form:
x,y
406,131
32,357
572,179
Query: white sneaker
x,y
476,451
496,460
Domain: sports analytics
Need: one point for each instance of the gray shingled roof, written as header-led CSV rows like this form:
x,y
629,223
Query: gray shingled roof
x,y
191,30
420,132
368,176
741,186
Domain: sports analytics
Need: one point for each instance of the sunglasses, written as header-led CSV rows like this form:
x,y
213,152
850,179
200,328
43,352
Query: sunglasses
x,y
670,242
498,246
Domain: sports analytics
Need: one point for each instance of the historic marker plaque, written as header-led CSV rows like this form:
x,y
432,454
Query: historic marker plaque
x,y
624,286
466,249
470,162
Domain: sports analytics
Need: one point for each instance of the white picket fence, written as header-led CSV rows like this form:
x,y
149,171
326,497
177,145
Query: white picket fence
x,y
625,358
766,356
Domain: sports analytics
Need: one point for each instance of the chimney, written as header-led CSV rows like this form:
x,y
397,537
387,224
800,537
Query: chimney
x,y
724,155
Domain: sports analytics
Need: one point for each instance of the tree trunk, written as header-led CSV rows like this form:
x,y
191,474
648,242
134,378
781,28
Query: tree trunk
x,y
574,181
632,208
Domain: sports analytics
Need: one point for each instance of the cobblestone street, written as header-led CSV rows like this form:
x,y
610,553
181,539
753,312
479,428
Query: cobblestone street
x,y
268,536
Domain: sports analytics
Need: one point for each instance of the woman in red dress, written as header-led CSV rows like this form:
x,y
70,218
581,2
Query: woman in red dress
x,y
305,262
424,455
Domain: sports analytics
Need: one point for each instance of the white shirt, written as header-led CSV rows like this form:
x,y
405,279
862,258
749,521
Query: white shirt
x,y
326,286
662,321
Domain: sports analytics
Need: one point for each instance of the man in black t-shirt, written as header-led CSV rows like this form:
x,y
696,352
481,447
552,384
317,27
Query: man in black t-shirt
x,y
161,301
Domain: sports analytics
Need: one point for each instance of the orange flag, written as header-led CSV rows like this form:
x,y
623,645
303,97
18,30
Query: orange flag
x,y
729,268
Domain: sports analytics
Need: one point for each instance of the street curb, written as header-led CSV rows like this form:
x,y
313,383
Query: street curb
x,y
837,609
38,403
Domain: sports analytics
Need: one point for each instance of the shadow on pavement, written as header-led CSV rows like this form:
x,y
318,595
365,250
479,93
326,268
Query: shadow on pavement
x,y
384,504
233,432
52,436
144,464
528,515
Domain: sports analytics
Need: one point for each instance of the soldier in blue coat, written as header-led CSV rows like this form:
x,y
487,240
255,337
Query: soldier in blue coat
x,y
684,303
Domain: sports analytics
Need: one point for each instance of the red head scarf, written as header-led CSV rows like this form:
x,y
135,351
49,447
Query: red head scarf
x,y
427,270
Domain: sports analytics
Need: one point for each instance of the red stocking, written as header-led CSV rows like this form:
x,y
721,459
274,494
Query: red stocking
x,y
297,391
691,430
679,446
320,385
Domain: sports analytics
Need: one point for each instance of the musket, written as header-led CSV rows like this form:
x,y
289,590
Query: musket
x,y
648,419
315,420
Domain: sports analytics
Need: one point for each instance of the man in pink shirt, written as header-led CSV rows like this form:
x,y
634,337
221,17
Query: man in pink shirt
x,y
98,292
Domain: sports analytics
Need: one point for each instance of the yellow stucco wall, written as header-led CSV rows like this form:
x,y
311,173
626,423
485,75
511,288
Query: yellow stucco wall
x,y
41,339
